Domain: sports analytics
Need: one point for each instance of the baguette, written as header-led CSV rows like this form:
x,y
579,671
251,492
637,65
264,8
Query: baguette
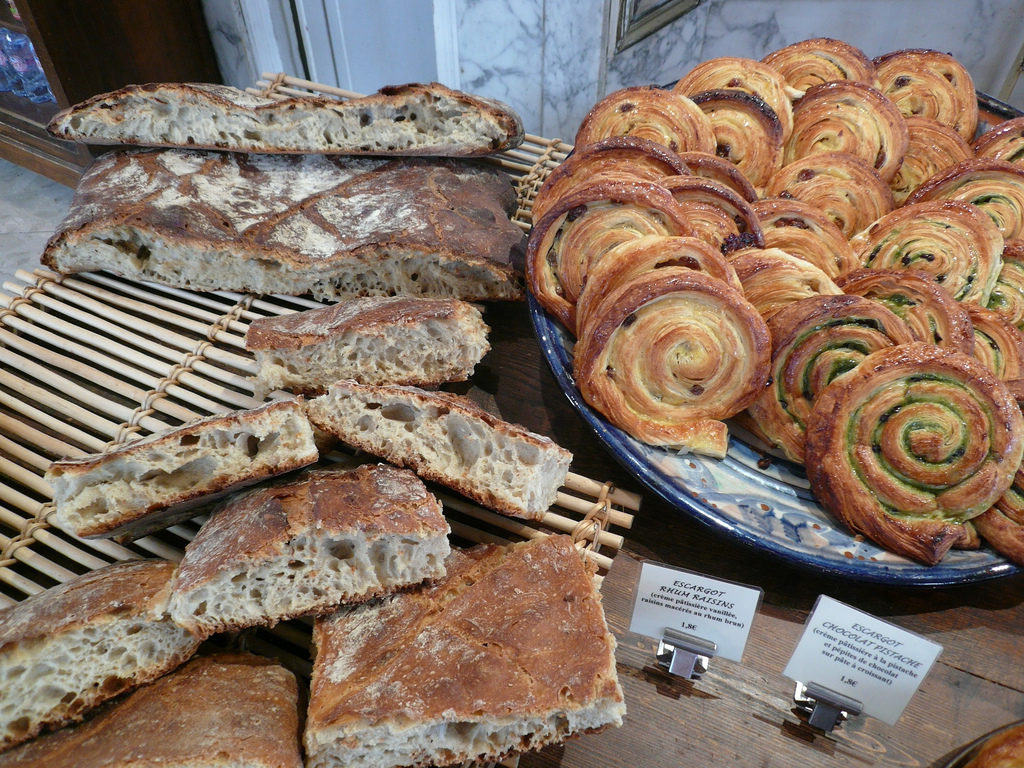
x,y
509,652
373,340
335,227
223,710
76,645
412,119
306,546
154,482
447,439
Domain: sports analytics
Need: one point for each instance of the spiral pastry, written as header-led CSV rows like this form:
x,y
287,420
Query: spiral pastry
x,y
930,84
1007,297
852,117
821,60
932,314
720,170
606,158
933,147
747,75
645,254
1002,526
669,355
747,130
841,185
801,230
954,242
1003,142
582,226
998,343
995,186
652,113
773,279
916,441
717,214
815,341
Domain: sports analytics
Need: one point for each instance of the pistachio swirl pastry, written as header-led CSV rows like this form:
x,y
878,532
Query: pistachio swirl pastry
x,y
932,147
930,311
995,186
821,60
747,131
716,213
843,186
648,112
816,341
773,279
669,355
633,258
747,75
911,445
1002,525
953,242
721,170
1004,141
848,116
1008,294
609,157
801,230
582,226
930,84
998,343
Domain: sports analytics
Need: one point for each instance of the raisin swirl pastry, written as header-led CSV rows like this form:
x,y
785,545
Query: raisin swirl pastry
x,y
816,341
821,60
998,343
1004,141
848,116
1008,294
747,75
933,147
633,258
582,226
609,157
915,442
747,131
648,112
931,84
995,186
954,242
772,279
720,170
801,230
843,186
716,213
670,354
932,313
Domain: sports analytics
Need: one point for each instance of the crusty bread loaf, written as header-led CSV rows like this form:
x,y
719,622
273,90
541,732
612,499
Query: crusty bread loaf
x,y
447,439
333,226
372,340
412,119
306,546
151,483
222,710
509,652
76,645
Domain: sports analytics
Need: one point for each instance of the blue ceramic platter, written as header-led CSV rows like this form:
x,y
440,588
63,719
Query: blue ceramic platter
x,y
765,504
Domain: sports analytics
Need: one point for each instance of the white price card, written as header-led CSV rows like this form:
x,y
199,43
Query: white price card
x,y
711,609
862,657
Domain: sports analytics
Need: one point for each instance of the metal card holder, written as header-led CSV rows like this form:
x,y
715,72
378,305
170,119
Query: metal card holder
x,y
685,655
826,708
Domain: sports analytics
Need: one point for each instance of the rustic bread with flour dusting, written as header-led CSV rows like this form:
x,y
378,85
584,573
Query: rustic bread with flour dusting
x,y
305,546
412,119
447,439
78,644
153,482
372,340
335,227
